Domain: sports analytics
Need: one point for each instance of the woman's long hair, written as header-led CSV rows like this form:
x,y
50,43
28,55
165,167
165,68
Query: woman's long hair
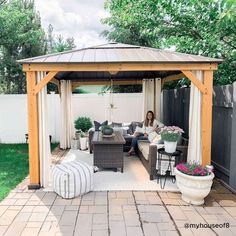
x,y
146,122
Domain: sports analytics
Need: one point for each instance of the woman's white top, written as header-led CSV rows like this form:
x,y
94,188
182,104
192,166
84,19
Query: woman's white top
x,y
148,129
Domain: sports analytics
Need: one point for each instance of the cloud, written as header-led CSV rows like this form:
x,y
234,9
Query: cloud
x,y
74,18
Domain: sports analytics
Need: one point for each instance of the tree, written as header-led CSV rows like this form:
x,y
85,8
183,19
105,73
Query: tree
x,y
57,43
206,27
21,36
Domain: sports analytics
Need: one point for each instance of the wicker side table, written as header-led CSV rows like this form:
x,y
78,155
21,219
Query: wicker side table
x,y
108,152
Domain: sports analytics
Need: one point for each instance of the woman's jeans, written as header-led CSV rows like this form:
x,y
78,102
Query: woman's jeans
x,y
134,143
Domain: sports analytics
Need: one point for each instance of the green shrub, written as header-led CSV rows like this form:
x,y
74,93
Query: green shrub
x,y
83,124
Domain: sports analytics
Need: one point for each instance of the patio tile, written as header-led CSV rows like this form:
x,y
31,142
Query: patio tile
x,y
97,209
3,209
62,202
137,231
150,229
100,233
32,224
8,202
117,228
30,231
176,213
8,217
76,201
231,210
15,228
84,224
100,218
41,209
38,216
68,218
56,210
20,202
100,226
131,219
3,229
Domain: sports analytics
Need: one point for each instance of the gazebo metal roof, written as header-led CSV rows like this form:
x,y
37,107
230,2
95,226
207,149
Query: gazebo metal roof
x,y
119,53
116,53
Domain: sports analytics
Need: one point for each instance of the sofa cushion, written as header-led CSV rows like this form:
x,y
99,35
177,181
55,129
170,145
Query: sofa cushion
x,y
115,124
144,148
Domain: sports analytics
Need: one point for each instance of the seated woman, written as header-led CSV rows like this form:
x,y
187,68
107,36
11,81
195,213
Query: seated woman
x,y
150,125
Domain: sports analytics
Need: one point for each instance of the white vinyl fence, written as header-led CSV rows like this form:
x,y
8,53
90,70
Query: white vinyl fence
x,y
13,112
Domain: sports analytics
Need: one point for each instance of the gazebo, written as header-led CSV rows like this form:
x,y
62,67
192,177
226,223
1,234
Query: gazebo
x,y
123,64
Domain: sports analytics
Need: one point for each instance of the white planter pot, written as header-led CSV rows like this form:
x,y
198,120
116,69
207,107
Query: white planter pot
x,y
75,144
194,188
83,143
170,147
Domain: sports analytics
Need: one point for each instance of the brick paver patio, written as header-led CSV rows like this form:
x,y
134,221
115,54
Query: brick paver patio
x,y
133,213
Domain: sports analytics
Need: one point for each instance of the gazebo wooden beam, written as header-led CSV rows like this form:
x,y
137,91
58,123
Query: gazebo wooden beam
x,y
195,81
115,82
33,131
172,78
44,81
119,67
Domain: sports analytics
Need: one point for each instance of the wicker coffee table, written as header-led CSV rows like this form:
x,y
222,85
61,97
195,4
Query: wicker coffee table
x,y
108,151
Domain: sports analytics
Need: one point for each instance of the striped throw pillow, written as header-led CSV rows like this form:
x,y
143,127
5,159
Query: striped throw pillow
x,y
72,179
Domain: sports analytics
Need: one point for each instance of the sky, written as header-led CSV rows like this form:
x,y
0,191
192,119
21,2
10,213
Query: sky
x,y
74,18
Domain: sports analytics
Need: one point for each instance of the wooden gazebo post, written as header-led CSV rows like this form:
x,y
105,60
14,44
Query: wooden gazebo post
x,y
33,131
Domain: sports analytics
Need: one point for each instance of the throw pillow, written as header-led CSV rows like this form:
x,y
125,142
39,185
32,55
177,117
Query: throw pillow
x,y
97,125
115,124
135,124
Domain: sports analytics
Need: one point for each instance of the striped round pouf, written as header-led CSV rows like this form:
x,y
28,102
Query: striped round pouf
x,y
72,179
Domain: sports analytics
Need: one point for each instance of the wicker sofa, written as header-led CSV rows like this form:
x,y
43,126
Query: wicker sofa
x,y
147,153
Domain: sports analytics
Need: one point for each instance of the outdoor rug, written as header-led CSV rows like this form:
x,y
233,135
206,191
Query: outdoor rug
x,y
134,177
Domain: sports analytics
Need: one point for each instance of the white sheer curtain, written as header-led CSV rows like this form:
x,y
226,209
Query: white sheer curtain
x,y
66,131
195,142
152,97
44,142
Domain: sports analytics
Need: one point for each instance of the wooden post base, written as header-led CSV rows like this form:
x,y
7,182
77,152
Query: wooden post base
x,y
33,186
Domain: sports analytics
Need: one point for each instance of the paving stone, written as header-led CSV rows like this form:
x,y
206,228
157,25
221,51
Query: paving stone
x,y
8,202
150,229
124,194
46,226
68,218
32,224
56,210
97,209
116,217
21,202
100,218
100,226
169,233
15,228
131,231
27,208
33,203
83,225
152,217
8,217
100,233
3,209
37,216
76,201
131,219
44,209
185,232
62,202
231,210
176,213
150,208
72,208
117,228
22,217
30,232
166,226
3,229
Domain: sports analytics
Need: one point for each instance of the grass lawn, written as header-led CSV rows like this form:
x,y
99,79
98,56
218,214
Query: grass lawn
x,y
14,166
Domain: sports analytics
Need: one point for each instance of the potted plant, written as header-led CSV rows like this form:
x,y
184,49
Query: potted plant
x,y
194,182
107,130
170,136
82,125
83,141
